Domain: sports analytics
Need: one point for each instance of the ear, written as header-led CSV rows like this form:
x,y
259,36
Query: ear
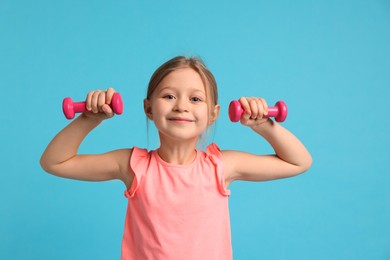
x,y
148,108
214,113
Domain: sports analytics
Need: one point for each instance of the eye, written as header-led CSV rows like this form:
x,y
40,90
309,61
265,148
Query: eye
x,y
196,99
169,97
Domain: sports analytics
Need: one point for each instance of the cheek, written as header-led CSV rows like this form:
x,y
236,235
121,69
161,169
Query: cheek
x,y
204,117
158,107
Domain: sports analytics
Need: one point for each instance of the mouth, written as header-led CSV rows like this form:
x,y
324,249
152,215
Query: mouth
x,y
181,120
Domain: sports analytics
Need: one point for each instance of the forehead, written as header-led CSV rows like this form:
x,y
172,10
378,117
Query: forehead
x,y
186,79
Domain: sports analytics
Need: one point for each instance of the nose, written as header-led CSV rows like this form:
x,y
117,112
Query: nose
x,y
181,105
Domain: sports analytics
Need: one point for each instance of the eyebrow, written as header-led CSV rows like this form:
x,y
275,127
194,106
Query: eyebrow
x,y
175,88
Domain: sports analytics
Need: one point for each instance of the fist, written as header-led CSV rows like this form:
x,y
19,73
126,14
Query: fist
x,y
255,110
98,103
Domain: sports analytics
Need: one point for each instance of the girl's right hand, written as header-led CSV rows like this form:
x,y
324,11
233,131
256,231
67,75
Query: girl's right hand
x,y
98,104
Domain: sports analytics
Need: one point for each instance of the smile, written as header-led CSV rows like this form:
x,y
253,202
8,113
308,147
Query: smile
x,y
181,120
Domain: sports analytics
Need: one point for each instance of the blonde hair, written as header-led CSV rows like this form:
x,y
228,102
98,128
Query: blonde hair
x,y
181,62
195,63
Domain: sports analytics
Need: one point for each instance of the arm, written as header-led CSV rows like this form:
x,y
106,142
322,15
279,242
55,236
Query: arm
x,y
290,158
61,159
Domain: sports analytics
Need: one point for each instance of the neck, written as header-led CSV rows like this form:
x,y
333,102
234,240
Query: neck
x,y
177,152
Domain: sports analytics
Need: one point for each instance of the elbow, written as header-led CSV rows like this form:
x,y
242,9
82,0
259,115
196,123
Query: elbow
x,y
306,164
45,165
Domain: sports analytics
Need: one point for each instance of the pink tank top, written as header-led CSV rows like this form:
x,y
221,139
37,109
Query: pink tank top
x,y
177,212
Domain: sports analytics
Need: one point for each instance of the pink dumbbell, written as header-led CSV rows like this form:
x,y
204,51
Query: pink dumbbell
x,y
70,108
279,111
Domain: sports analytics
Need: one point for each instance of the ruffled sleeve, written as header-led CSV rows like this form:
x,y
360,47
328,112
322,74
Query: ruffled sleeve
x,y
215,155
139,162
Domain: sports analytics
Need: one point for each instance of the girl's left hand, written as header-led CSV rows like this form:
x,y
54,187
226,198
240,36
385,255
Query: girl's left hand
x,y
255,110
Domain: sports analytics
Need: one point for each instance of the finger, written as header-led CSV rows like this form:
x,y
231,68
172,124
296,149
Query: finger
x,y
262,108
88,100
265,106
245,119
101,100
244,103
109,93
94,101
246,107
107,110
254,108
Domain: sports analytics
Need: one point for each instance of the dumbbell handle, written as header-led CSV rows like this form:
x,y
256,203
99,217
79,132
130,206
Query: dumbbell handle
x,y
279,111
70,108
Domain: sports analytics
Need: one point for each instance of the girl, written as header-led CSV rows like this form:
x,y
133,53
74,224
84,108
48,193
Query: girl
x,y
177,194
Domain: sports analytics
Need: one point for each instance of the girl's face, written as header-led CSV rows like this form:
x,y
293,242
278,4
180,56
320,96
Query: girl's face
x,y
179,106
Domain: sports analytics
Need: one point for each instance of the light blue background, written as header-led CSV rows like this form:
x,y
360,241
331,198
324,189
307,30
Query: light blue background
x,y
329,60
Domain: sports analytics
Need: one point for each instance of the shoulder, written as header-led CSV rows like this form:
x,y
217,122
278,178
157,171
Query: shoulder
x,y
213,150
122,158
134,164
223,158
